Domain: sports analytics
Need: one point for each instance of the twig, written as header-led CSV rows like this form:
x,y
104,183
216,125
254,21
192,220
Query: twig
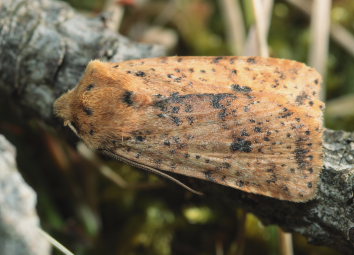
x,y
55,243
234,25
286,243
113,176
241,234
105,170
260,28
343,37
251,48
320,23
339,33
110,174
219,249
237,247
167,13
116,12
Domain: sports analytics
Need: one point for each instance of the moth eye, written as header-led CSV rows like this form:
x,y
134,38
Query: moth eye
x,y
90,87
88,111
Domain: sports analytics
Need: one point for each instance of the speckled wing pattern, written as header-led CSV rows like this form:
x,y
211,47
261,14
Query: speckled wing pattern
x,y
250,123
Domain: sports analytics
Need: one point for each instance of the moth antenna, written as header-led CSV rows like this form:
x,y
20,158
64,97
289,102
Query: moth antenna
x,y
153,170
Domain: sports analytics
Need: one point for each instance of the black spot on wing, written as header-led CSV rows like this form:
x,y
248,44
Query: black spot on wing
x,y
301,153
223,114
273,178
191,120
140,74
188,108
128,98
139,138
208,175
285,113
217,98
240,144
217,60
239,88
251,60
244,133
175,109
176,120
301,98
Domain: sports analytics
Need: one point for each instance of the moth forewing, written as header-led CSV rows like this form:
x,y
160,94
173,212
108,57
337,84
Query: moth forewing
x,y
254,124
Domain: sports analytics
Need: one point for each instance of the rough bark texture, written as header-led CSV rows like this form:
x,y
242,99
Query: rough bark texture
x,y
45,46
19,223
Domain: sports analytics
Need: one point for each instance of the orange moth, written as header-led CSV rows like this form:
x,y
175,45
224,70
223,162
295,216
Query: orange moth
x,y
250,123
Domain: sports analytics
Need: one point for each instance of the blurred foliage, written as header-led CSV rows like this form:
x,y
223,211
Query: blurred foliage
x,y
91,215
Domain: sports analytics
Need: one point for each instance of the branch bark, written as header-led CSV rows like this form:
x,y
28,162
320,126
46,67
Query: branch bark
x,y
45,46
19,222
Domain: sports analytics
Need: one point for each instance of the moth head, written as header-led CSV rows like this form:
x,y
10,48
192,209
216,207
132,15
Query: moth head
x,y
97,76
98,109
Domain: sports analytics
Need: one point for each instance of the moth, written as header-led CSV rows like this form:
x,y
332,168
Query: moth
x,y
250,123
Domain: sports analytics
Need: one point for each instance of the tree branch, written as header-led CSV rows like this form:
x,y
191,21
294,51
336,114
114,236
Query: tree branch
x,y
19,222
45,46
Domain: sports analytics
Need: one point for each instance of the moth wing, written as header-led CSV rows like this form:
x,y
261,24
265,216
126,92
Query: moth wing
x,y
227,120
295,81
253,142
